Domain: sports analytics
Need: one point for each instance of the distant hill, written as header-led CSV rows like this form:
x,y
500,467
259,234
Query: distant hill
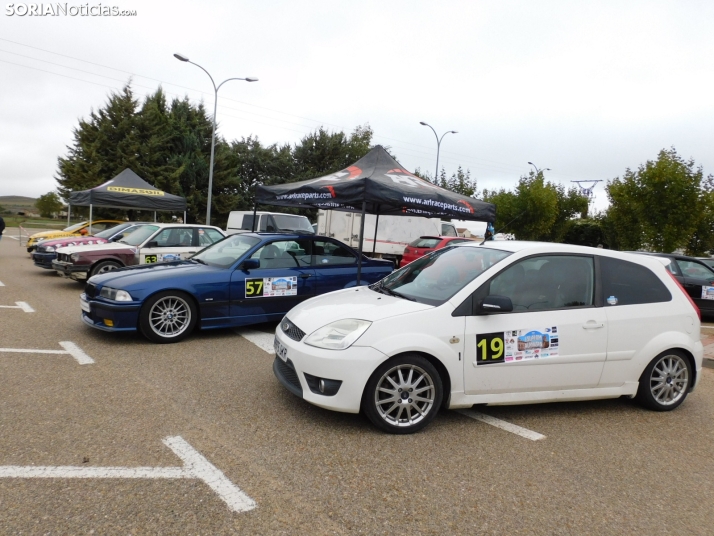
x,y
8,201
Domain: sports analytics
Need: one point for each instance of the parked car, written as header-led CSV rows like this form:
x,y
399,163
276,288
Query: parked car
x,y
426,244
156,242
495,323
241,221
78,229
46,251
245,279
707,260
695,276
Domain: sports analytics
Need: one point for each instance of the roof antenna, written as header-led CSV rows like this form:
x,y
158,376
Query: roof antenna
x,y
501,229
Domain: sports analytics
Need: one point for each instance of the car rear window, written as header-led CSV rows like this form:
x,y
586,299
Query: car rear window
x,y
627,283
425,242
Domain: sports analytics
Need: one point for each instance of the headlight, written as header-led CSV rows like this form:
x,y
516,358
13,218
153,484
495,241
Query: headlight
x,y
49,249
74,257
114,294
338,335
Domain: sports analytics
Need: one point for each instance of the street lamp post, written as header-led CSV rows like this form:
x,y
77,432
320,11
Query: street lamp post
x,y
180,57
539,171
438,144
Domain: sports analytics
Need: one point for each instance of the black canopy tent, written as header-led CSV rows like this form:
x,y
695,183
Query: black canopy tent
x,y
376,184
127,191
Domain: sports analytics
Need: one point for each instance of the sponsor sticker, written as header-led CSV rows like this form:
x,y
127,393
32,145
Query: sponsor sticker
x,y
271,287
612,300
517,345
707,293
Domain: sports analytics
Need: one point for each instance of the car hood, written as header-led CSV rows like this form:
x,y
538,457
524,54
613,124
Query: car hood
x,y
74,241
44,235
91,247
361,303
139,276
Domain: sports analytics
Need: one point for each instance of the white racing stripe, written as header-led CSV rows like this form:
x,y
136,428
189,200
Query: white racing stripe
x,y
503,425
195,466
262,340
69,348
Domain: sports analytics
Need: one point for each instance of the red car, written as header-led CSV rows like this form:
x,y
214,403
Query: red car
x,y
426,244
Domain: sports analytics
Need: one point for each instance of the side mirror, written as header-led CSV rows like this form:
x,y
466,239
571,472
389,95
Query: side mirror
x,y
250,264
152,244
495,304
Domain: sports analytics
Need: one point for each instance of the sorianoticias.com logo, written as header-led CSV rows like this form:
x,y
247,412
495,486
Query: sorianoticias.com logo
x,y
66,10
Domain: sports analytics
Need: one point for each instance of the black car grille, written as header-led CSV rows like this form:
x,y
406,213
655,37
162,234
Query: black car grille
x,y
291,330
90,290
286,373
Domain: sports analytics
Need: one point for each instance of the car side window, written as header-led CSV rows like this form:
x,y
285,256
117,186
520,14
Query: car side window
x,y
547,282
208,236
284,254
627,283
173,237
330,254
694,269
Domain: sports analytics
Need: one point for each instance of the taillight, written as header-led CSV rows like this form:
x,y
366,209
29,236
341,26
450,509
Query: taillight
x,y
699,313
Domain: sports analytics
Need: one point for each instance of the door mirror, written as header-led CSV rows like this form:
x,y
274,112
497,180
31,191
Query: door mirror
x,y
152,244
495,304
250,264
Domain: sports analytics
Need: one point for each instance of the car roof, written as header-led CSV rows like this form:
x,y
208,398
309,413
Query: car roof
x,y
162,225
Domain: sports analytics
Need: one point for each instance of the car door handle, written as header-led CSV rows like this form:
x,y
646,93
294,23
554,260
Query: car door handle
x,y
305,276
591,324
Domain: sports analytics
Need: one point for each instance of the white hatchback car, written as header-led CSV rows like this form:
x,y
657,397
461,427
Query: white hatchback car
x,y
499,323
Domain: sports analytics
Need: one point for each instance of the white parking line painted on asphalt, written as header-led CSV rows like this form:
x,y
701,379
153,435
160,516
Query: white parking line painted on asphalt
x,y
2,284
503,425
19,305
69,349
195,466
262,340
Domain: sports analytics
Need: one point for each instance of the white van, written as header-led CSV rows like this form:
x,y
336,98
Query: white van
x,y
241,221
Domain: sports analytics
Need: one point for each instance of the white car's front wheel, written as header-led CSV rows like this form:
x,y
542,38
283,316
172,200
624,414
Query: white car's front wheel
x,y
403,395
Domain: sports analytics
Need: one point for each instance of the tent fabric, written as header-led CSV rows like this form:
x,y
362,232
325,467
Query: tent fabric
x,y
384,185
129,191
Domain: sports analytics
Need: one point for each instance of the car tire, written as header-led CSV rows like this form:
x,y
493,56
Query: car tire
x,y
665,382
104,267
389,402
168,317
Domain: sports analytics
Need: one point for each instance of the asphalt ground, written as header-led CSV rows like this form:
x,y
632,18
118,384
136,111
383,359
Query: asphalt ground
x,y
604,467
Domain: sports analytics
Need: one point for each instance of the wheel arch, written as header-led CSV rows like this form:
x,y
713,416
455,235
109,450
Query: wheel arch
x,y
438,365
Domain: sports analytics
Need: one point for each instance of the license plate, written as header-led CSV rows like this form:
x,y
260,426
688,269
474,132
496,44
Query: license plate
x,y
84,305
280,350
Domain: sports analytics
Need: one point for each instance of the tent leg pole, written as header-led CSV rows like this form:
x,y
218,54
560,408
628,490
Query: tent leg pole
x,y
376,225
154,216
361,237
69,212
90,219
255,211
184,216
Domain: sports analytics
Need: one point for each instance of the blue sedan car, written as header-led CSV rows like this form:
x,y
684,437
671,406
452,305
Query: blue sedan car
x,y
243,279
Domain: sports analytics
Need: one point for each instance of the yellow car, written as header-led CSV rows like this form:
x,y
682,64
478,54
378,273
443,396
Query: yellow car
x,y
78,229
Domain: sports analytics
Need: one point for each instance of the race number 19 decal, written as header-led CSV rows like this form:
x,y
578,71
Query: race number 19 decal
x,y
490,348
253,288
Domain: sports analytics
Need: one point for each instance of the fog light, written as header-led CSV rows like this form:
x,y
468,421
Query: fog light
x,y
322,386
109,323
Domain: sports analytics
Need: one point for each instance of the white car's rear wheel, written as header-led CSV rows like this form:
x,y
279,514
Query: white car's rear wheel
x,y
665,381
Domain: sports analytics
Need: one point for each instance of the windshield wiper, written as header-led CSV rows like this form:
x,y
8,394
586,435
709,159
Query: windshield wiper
x,y
391,292
198,260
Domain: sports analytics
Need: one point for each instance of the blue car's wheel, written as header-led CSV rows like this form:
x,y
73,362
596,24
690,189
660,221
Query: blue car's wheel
x,y
168,317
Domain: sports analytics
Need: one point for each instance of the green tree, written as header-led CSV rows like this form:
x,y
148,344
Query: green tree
x,y
662,206
48,204
585,232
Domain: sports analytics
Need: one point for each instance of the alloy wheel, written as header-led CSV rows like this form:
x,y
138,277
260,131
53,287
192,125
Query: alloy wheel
x,y
170,316
669,379
404,395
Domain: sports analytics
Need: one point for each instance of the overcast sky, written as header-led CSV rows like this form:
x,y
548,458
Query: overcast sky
x,y
587,89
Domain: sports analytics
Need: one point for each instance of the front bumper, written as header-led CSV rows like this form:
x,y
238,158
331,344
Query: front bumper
x,y
44,260
352,367
109,316
71,270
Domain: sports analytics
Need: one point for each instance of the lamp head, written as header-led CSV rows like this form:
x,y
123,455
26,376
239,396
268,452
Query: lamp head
x,y
454,132
180,57
423,123
251,79
531,163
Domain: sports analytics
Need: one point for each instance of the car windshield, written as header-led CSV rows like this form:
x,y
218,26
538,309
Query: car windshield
x,y
425,242
226,252
74,227
138,236
436,277
107,233
292,223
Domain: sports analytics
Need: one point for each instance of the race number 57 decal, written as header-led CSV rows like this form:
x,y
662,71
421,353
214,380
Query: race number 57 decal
x,y
253,288
490,348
